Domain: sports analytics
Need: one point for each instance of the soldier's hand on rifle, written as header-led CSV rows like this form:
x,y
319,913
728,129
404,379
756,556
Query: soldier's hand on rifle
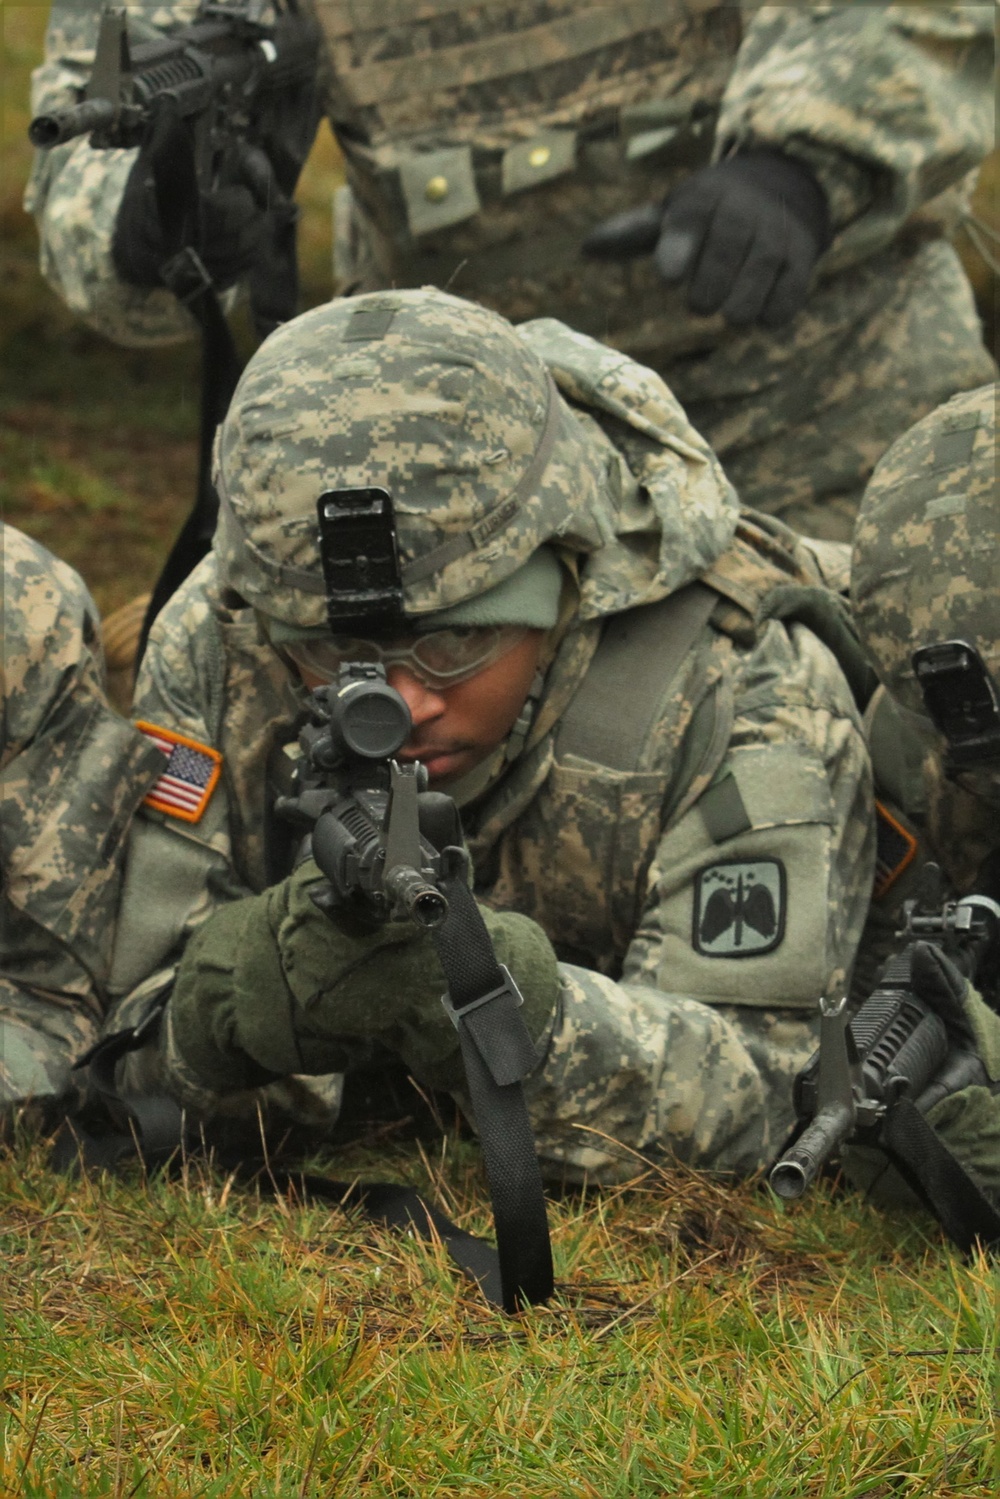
x,y
971,1025
962,1102
745,234
271,984
225,225
966,1119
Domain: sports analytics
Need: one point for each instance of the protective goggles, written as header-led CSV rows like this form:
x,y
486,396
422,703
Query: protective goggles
x,y
441,658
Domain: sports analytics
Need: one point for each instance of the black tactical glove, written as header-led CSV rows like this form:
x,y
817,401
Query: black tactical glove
x,y
286,128
747,232
224,226
245,224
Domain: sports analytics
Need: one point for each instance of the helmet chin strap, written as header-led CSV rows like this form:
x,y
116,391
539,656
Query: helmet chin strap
x,y
515,741
481,777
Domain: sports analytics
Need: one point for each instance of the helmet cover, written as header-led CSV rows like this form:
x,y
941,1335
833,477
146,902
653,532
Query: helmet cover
x,y
433,398
926,563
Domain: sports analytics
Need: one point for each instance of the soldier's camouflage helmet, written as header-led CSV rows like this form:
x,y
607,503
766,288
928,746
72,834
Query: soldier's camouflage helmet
x,y
433,398
926,563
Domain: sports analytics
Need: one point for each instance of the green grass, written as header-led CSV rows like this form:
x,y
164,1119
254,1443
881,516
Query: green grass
x,y
186,1337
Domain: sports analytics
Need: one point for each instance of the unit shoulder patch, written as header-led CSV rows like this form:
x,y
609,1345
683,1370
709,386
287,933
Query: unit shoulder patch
x,y
192,771
739,908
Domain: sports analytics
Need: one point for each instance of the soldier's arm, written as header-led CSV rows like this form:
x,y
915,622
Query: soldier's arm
x,y
890,105
754,905
179,870
75,191
71,775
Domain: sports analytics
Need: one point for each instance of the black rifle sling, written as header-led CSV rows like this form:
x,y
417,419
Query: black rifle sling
x,y
183,272
112,1130
498,1054
943,1186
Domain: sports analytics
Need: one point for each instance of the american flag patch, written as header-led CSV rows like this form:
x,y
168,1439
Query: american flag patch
x,y
184,788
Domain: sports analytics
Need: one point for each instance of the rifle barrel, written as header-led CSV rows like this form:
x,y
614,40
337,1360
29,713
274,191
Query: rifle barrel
x,y
66,124
797,1168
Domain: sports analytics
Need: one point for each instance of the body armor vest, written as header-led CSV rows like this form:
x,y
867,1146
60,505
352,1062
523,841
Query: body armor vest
x,y
481,145
568,840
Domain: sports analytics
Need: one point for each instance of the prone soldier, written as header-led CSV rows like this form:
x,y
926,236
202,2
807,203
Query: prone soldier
x,y
924,572
661,770
72,772
924,593
920,1058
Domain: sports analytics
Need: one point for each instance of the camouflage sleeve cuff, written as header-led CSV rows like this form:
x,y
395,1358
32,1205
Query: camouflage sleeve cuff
x,y
849,187
75,195
889,105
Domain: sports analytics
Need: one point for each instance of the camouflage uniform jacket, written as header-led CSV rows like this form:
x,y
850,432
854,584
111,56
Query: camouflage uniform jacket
x,y
480,146
682,1022
71,775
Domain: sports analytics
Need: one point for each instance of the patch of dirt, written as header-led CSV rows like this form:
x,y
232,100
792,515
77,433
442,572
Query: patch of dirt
x,y
108,502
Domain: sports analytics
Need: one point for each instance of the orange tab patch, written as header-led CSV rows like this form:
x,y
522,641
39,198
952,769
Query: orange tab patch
x,y
193,769
895,849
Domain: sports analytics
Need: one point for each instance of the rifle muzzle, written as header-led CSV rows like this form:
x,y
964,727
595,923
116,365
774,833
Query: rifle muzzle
x,y
798,1167
421,901
46,131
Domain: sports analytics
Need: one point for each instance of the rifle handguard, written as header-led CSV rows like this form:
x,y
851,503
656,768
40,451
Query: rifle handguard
x,y
893,1048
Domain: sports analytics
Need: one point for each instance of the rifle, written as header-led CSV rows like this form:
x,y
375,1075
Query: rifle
x,y
383,841
218,73
391,849
217,78
896,1047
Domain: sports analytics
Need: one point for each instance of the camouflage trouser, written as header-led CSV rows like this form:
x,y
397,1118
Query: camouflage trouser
x,y
40,1039
800,419
633,1073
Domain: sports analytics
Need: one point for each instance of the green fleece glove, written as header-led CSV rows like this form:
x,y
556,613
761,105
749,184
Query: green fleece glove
x,y
271,986
968,1018
968,1120
969,1124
